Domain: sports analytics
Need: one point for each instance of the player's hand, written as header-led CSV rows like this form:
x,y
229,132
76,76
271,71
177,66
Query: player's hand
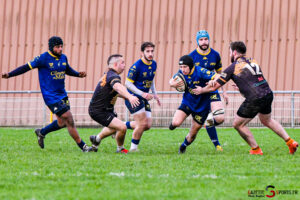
x,y
134,101
147,96
82,74
5,75
211,83
157,99
175,84
226,98
197,90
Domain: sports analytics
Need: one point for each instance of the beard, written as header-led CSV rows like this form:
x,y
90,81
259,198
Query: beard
x,y
148,58
204,47
232,59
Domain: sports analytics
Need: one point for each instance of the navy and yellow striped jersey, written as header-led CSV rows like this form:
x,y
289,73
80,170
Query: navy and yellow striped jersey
x,y
142,75
198,77
52,72
211,60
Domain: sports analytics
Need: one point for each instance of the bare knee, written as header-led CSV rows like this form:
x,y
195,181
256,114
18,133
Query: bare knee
x,y
219,119
236,125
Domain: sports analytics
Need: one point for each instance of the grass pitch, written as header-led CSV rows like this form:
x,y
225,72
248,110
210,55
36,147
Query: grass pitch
x,y
62,171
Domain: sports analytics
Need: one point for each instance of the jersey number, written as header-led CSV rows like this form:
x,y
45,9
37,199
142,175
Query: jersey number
x,y
253,68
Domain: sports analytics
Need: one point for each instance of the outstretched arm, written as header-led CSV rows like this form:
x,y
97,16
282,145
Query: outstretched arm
x,y
71,72
20,70
212,85
119,88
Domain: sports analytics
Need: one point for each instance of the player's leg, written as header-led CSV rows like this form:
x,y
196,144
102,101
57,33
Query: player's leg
x,y
67,118
215,119
197,123
58,109
140,117
279,130
178,119
190,137
247,111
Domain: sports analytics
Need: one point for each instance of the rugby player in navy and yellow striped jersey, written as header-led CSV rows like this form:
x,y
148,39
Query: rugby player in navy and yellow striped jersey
x,y
140,80
206,57
196,105
52,67
248,77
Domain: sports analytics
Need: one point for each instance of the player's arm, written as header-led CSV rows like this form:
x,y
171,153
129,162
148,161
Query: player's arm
x,y
71,72
18,71
154,93
129,84
215,84
122,91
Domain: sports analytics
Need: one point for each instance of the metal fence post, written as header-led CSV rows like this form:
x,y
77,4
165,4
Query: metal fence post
x,y
293,109
45,114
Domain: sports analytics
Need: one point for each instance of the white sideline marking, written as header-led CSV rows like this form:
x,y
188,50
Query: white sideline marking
x,y
117,174
213,176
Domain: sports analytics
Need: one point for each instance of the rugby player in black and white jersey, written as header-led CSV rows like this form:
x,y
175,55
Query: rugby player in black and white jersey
x,y
101,107
248,77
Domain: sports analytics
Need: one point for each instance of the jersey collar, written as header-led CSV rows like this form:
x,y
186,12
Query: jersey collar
x,y
192,71
204,54
51,54
145,62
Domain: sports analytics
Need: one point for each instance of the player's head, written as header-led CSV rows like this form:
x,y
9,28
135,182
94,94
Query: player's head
x,y
186,64
147,49
202,38
55,44
116,62
237,49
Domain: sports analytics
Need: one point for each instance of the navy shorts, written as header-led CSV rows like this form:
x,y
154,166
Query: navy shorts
x,y
199,117
143,104
249,109
215,97
60,107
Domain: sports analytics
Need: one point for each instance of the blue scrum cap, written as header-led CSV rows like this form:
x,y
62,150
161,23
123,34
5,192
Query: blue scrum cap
x,y
53,41
201,34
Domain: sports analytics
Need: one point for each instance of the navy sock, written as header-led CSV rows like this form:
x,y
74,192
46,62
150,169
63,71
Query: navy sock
x,y
128,125
135,141
185,143
51,127
212,133
81,144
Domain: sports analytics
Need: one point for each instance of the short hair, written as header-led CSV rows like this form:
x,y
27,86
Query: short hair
x,y
113,58
239,46
146,44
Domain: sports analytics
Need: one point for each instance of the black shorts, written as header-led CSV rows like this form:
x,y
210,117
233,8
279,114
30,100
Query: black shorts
x,y
199,117
143,104
104,117
60,107
249,109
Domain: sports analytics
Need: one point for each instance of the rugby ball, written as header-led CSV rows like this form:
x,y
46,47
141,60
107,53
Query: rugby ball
x,y
179,77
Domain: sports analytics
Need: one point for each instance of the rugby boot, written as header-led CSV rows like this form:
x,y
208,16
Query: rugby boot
x,y
219,148
86,148
256,151
125,151
293,145
40,137
181,149
94,142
